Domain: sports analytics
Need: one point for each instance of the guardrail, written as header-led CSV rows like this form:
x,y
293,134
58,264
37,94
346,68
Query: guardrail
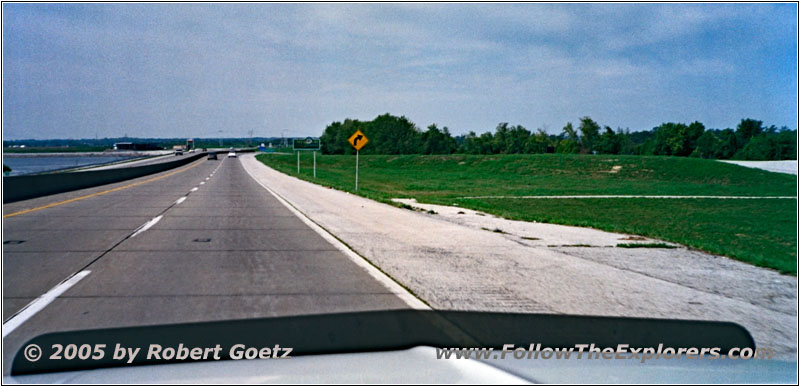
x,y
16,188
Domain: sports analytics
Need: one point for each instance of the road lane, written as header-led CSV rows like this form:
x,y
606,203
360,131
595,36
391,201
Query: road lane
x,y
57,242
229,250
43,247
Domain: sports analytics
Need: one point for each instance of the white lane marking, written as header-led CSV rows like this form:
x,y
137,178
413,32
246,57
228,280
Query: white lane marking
x,y
202,182
179,201
40,303
393,286
207,178
194,189
146,226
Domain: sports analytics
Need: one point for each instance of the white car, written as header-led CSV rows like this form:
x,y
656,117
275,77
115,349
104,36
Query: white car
x,y
231,154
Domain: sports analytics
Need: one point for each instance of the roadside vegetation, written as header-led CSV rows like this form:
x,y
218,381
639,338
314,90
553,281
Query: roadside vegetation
x,y
750,140
759,231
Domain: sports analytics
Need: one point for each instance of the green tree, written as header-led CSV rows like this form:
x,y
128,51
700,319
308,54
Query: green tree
x,y
608,143
676,139
569,140
390,135
538,143
626,146
760,147
729,144
693,132
328,141
787,141
501,138
334,138
472,144
709,146
747,129
517,138
590,131
436,141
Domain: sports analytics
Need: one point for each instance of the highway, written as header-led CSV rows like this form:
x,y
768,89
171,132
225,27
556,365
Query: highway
x,y
197,243
151,160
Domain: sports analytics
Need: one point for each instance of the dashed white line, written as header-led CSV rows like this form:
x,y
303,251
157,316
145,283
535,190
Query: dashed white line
x,y
42,301
146,226
202,182
38,304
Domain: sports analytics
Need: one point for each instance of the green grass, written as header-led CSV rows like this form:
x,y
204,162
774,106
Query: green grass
x,y
759,231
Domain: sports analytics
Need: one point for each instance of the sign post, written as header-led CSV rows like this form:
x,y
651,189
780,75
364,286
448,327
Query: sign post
x,y
357,140
308,143
356,171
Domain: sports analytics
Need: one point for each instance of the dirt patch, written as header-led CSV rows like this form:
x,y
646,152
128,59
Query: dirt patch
x,y
633,238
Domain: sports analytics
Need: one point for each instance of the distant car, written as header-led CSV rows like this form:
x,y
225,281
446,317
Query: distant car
x,y
212,156
178,153
232,154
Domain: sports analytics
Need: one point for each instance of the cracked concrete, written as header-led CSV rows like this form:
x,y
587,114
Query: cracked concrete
x,y
453,262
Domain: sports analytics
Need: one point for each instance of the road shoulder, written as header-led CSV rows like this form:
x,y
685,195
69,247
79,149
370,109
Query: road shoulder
x,y
458,266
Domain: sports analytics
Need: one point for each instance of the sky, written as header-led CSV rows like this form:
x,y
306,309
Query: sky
x,y
223,70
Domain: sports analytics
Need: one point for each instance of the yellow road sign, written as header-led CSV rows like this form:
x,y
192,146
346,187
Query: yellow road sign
x,y
358,140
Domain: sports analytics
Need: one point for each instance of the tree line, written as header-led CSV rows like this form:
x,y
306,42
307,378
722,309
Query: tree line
x,y
389,134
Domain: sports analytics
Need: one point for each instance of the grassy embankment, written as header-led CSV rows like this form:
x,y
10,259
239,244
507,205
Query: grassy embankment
x,y
759,231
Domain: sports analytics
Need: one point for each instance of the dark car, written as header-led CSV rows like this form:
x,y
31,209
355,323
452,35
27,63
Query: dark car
x,y
212,156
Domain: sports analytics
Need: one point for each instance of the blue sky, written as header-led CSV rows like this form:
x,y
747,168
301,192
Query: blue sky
x,y
205,70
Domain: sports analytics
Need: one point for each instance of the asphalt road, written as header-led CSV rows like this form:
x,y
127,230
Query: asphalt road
x,y
222,248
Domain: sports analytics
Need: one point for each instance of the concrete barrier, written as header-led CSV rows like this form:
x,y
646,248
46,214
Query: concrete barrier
x,y
16,188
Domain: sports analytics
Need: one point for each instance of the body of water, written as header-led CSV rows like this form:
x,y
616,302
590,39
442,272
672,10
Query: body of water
x,y
37,164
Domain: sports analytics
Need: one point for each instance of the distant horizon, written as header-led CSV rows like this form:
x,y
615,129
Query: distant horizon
x,y
420,127
318,135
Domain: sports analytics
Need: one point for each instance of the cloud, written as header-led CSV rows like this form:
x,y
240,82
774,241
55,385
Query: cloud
x,y
190,69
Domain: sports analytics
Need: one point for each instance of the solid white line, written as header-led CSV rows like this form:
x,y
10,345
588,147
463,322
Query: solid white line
x,y
41,302
626,197
179,201
382,278
144,227
194,189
